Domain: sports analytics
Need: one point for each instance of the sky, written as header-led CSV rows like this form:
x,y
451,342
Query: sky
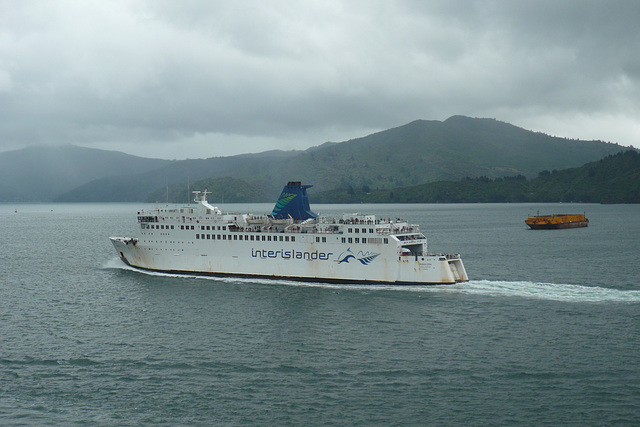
x,y
201,78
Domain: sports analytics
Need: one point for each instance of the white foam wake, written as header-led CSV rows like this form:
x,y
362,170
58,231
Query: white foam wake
x,y
548,291
521,289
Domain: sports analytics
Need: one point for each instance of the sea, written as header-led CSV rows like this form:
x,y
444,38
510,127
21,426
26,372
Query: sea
x,y
547,331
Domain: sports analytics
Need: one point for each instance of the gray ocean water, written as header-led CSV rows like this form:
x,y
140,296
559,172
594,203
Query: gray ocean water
x,y
546,333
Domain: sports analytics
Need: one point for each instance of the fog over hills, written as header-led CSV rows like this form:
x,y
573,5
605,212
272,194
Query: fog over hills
x,y
419,152
36,174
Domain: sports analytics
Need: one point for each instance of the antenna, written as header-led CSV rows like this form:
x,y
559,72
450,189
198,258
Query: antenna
x,y
167,189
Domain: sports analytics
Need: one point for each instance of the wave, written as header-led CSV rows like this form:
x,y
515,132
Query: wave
x,y
497,288
548,291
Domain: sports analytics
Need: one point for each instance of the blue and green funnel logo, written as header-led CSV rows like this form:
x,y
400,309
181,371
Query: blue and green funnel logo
x,y
293,201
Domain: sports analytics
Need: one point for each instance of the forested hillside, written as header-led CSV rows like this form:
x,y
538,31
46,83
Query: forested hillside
x,y
614,179
416,153
223,190
419,152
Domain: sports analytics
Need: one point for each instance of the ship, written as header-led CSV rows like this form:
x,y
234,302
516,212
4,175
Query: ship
x,y
290,243
557,221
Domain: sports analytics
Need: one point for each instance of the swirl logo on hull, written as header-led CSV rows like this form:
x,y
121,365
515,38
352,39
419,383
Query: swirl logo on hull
x,y
363,257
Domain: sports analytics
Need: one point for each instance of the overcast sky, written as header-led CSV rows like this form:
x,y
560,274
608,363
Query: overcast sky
x,y
202,78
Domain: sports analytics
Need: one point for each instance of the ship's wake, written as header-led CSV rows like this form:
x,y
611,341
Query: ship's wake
x,y
496,288
547,291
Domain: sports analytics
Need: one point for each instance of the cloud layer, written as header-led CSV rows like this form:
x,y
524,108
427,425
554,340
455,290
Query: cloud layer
x,y
200,78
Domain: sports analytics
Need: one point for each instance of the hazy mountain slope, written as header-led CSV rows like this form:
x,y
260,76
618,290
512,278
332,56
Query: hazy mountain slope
x,y
424,151
223,190
613,179
139,187
421,151
42,173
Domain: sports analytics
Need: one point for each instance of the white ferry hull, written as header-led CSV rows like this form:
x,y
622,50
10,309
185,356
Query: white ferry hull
x,y
302,262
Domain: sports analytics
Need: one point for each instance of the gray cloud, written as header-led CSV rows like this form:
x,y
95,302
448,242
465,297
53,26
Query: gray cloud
x,y
200,78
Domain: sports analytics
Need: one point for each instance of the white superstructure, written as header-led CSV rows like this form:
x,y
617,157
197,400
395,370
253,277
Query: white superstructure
x,y
201,239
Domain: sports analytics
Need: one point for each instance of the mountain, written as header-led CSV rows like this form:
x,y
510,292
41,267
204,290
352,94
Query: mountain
x,y
141,186
418,152
42,173
223,190
425,151
613,179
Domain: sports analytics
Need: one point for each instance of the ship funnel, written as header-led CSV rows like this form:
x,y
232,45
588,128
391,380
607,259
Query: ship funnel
x,y
293,201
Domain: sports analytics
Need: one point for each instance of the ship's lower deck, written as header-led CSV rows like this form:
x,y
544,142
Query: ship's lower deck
x,y
309,262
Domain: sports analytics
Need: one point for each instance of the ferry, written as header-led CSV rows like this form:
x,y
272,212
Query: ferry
x,y
292,242
556,221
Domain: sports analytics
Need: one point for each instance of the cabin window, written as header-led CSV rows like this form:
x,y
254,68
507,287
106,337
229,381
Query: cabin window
x,y
286,238
344,240
224,237
235,237
357,230
364,230
172,227
224,227
208,236
357,240
281,238
197,236
386,241
324,239
364,240
293,238
252,237
208,227
317,240
350,230
192,227
371,230
350,240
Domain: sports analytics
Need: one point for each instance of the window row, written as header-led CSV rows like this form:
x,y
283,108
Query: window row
x,y
359,230
183,227
371,240
212,227
158,227
249,237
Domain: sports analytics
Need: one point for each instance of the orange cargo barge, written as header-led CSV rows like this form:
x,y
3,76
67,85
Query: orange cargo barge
x,y
555,221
